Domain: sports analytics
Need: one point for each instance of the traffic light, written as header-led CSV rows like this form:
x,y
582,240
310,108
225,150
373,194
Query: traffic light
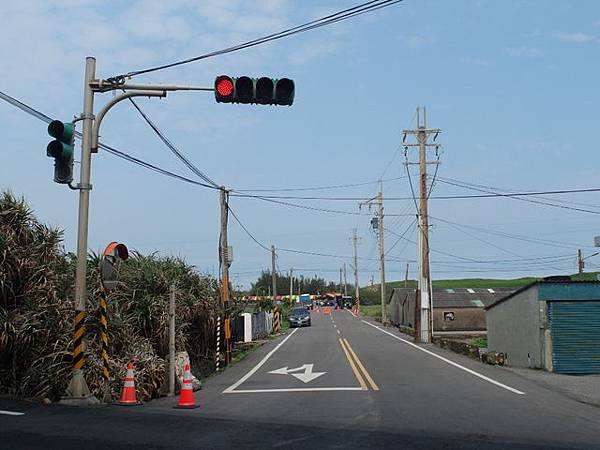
x,y
262,91
62,150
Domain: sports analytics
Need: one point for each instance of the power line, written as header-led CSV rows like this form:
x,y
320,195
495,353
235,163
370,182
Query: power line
x,y
246,229
317,188
172,147
313,24
43,117
518,195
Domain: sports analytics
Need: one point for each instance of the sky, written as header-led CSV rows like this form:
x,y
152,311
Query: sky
x,y
513,85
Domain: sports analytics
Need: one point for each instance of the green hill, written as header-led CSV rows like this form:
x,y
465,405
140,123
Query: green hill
x,y
371,294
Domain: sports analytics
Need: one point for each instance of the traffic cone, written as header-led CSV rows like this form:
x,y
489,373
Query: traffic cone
x,y
128,392
186,395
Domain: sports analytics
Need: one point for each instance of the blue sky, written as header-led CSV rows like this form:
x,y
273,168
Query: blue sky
x,y
512,84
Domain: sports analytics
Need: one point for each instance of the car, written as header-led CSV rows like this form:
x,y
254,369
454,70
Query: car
x,y
299,317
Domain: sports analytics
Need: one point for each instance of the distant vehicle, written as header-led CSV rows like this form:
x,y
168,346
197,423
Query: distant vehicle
x,y
304,300
299,317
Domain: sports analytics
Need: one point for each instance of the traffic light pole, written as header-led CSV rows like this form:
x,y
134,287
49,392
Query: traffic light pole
x,y
77,390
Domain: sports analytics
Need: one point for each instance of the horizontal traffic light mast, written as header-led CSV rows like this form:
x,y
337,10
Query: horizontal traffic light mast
x,y
261,91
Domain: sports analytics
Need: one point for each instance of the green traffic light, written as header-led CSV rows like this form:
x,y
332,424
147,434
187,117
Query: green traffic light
x,y
59,150
61,131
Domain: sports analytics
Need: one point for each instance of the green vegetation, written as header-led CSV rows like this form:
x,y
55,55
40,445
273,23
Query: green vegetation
x,y
479,342
36,313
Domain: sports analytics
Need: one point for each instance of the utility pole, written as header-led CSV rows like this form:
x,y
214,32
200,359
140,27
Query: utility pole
x,y
291,285
345,282
423,322
224,261
341,270
273,273
355,267
580,263
406,276
377,224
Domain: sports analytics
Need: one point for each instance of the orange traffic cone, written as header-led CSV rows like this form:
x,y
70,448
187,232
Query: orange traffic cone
x,y
128,392
186,396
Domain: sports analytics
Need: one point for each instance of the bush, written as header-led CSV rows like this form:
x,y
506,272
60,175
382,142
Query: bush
x,y
36,312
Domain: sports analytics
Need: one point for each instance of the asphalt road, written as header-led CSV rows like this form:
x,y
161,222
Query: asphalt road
x,y
342,383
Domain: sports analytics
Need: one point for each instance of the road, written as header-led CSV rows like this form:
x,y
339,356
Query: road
x,y
342,383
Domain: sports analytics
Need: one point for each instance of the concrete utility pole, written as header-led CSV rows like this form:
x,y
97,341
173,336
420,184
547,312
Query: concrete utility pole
x,y
580,263
341,271
355,259
379,228
406,276
345,282
273,273
423,322
224,260
291,285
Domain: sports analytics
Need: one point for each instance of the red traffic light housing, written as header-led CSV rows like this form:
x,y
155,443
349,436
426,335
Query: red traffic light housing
x,y
263,91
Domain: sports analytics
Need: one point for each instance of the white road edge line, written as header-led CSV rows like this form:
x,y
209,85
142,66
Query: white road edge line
x,y
452,363
258,366
11,413
258,391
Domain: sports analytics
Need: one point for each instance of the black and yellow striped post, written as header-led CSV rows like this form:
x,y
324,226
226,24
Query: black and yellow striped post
x,y
103,318
276,319
78,343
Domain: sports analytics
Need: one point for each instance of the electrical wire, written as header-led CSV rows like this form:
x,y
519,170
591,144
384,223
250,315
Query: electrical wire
x,y
517,197
172,147
317,188
345,14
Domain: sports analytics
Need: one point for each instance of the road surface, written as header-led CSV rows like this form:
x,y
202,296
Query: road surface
x,y
342,383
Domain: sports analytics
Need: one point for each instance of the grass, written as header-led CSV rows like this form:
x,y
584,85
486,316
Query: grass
x,y
241,353
479,342
373,311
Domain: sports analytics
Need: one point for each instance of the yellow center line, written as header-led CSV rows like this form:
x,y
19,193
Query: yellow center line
x,y
364,371
362,383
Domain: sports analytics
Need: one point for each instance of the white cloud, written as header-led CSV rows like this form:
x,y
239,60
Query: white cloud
x,y
524,52
311,52
576,38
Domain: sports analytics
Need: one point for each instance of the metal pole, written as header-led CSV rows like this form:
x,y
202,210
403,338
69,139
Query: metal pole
x,y
381,255
78,388
356,288
273,273
424,226
224,259
172,341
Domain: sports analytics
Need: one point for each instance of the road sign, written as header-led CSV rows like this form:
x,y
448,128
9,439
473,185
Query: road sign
x,y
596,241
307,376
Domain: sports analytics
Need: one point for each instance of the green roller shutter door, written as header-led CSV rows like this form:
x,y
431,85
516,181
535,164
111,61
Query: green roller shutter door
x,y
575,328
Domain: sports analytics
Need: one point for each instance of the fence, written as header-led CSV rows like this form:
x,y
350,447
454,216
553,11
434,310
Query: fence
x,y
251,327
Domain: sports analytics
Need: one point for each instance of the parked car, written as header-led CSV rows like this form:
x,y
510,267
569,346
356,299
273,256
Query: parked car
x,y
299,317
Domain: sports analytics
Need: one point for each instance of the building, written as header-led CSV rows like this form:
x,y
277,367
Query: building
x,y
550,324
454,310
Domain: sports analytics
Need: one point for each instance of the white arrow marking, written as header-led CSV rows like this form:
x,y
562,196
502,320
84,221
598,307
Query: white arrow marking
x,y
282,371
307,376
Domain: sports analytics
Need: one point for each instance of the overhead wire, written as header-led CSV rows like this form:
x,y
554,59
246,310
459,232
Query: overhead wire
x,y
338,16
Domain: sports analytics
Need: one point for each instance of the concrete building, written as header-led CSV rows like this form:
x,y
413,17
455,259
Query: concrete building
x,y
552,325
454,310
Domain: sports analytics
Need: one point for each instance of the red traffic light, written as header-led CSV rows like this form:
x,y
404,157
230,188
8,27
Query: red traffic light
x,y
223,87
